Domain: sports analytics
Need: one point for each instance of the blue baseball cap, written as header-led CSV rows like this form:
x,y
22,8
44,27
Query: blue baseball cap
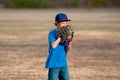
x,y
61,17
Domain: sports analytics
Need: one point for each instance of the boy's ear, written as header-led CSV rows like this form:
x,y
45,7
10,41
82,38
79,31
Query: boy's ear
x,y
55,24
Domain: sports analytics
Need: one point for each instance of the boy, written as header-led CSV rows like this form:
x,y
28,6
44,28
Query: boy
x,y
56,61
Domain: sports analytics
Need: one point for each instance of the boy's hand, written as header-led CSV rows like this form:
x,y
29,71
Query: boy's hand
x,y
70,39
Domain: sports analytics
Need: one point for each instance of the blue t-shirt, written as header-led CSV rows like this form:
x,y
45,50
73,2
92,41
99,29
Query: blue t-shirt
x,y
57,56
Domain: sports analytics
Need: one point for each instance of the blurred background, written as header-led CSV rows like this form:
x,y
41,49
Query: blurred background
x,y
59,3
24,28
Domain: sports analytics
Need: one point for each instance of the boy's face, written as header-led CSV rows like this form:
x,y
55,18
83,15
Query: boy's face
x,y
61,24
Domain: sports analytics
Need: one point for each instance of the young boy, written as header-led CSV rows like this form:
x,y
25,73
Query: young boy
x,y
56,61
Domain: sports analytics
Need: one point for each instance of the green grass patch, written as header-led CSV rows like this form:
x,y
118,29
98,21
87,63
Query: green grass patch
x,y
29,4
76,3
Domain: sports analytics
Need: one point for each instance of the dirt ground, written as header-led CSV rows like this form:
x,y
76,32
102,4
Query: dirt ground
x,y
96,46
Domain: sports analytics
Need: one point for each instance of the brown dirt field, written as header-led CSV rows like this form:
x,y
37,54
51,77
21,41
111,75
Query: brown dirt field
x,y
96,46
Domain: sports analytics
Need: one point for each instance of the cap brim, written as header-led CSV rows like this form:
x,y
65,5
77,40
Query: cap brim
x,y
63,20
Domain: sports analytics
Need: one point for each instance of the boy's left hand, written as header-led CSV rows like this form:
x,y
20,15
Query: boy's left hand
x,y
70,38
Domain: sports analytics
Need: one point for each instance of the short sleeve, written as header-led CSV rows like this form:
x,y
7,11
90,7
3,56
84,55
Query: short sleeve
x,y
51,37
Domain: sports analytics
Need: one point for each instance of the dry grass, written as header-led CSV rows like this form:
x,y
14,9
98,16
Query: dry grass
x,y
23,47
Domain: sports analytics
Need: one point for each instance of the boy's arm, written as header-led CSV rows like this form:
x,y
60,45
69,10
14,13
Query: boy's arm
x,y
69,46
55,43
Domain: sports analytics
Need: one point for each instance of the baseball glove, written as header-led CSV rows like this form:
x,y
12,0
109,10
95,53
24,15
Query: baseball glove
x,y
66,33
